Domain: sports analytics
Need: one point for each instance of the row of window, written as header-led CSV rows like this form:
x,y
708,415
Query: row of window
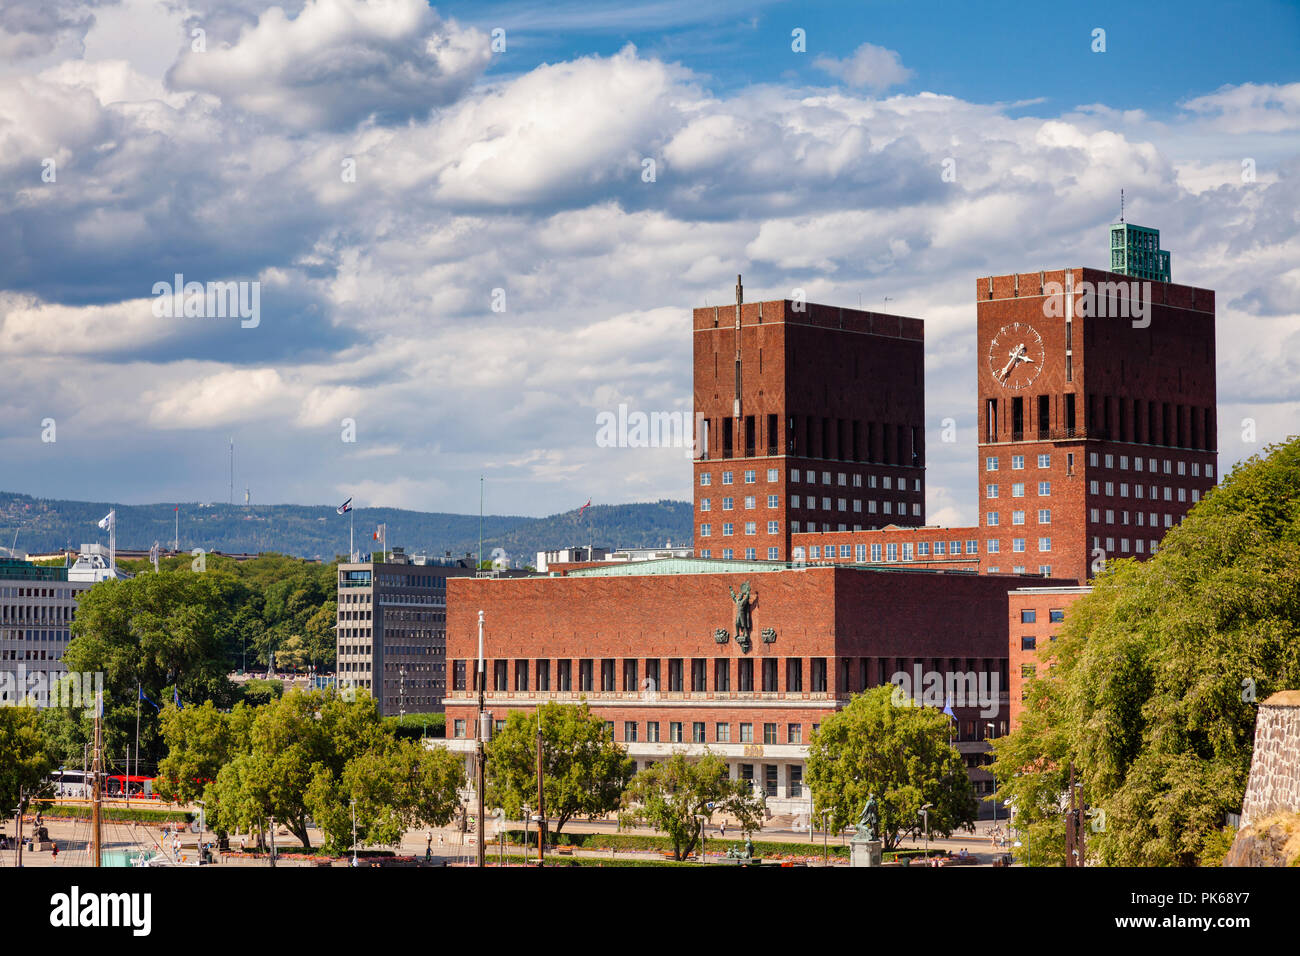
x,y
887,507
1139,491
842,479
993,545
992,519
890,551
750,476
1017,462
809,476
1044,569
1018,490
1095,515
750,554
1030,616
1095,460
728,529
646,676
1124,545
750,502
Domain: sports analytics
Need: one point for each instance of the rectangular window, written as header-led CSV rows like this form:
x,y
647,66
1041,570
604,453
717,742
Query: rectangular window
x,y
675,674
629,731
1028,616
1018,490
1044,489
722,733
990,464
1028,643
817,675
699,675
722,675
769,733
769,675
458,670
521,675
706,479
794,733
543,675
991,491
675,732
631,682
564,675
652,732
745,676
1044,461
1017,462
746,733
875,553
793,675
697,732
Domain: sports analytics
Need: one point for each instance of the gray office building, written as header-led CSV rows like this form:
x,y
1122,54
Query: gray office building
x,y
392,629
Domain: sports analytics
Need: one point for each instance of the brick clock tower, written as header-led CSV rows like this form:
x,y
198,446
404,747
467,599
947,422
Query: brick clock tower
x,y
1096,416
805,411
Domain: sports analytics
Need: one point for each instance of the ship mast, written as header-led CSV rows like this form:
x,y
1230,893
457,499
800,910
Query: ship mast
x,y
96,814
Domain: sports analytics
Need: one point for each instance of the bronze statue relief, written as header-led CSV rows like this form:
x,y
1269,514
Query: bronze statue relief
x,y
744,617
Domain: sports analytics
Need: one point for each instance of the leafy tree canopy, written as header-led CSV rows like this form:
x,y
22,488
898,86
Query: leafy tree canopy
x,y
584,770
1157,677
901,754
673,795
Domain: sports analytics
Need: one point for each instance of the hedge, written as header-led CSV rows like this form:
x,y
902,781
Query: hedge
x,y
119,814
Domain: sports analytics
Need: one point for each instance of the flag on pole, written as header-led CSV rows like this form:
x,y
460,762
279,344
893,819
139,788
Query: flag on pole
x,y
584,507
176,698
381,533
109,520
145,697
345,507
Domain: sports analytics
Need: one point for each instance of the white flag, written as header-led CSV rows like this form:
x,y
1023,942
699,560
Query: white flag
x,y
108,520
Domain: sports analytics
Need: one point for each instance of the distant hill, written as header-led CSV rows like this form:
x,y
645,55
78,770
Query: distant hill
x,y
317,531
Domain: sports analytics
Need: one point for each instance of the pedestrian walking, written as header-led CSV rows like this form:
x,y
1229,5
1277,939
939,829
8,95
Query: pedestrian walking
x,y
54,851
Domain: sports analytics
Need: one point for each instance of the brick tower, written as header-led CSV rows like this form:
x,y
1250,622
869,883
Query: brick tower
x,y
1096,415
804,410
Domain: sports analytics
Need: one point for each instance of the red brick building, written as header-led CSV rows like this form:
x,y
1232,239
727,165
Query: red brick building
x,y
812,417
1096,418
1035,616
641,644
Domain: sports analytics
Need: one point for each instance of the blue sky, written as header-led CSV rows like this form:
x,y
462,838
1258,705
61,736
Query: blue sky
x,y
496,271
1156,53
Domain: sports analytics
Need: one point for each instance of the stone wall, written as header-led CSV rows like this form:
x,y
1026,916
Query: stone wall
x,y
1274,785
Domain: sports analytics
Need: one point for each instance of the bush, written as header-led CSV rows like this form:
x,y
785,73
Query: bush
x,y
119,814
415,726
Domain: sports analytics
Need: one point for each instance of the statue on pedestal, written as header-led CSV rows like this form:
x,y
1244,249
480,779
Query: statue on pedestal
x,y
869,820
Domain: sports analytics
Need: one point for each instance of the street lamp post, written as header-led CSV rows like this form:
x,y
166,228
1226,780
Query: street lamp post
x,y
526,808
925,817
992,734
826,852
354,832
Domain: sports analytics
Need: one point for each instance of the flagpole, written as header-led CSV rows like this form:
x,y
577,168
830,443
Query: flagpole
x,y
112,542
138,691
352,548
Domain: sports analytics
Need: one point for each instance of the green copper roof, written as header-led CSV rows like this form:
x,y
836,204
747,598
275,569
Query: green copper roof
x,y
678,566
1135,251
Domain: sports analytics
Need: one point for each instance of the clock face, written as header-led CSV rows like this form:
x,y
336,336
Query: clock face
x,y
1016,355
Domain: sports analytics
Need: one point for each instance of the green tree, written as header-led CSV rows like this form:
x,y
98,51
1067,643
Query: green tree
x,y
291,742
26,757
673,795
200,741
1159,670
901,754
392,788
161,633
584,771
